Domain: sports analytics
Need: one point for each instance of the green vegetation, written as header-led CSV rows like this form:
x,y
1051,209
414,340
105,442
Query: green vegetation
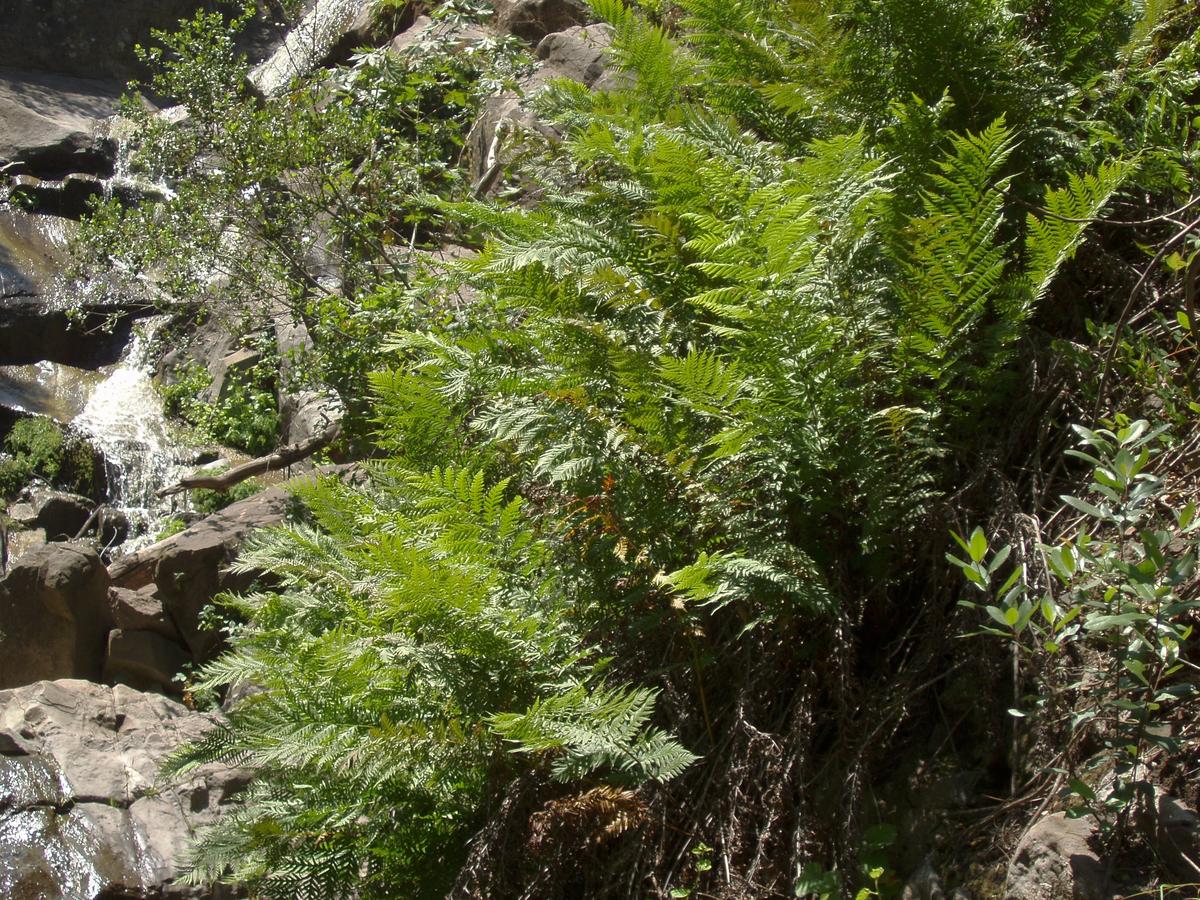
x,y
244,417
649,578
206,501
38,447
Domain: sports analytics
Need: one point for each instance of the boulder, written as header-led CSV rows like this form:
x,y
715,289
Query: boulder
x,y
1055,861
83,811
141,610
534,19
54,615
189,568
61,515
56,124
579,53
145,660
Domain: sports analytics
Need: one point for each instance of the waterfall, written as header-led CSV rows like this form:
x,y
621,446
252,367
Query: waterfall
x,y
123,418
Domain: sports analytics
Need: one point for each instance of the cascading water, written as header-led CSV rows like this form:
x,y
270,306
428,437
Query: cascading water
x,y
123,418
116,407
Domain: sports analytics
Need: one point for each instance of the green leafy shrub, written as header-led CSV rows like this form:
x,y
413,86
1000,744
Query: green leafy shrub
x,y
1119,600
206,502
247,415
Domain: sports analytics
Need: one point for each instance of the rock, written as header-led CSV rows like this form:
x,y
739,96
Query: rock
x,y
90,38
232,364
206,345
534,19
83,812
579,53
55,123
1173,828
32,332
316,39
303,411
141,610
69,197
192,570
144,660
112,526
424,30
189,568
495,135
54,615
62,515
1055,861
925,884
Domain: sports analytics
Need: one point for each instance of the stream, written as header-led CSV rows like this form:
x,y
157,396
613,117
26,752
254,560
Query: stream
x,y
116,407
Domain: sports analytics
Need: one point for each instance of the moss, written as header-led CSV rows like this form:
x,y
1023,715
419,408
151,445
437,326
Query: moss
x,y
40,442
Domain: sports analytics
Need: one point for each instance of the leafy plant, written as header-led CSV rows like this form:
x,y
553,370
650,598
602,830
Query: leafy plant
x,y
1116,599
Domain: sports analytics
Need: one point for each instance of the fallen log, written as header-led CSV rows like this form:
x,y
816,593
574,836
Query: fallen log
x,y
280,459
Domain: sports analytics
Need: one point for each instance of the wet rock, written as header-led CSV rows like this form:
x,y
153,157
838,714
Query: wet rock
x,y
1055,861
54,615
83,813
141,610
54,124
534,19
112,526
579,53
63,516
69,197
145,660
31,332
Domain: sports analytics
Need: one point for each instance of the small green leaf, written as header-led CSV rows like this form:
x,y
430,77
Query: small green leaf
x,y
1084,507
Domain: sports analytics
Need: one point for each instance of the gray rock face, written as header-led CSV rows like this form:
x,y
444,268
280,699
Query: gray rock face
x,y
90,38
82,811
55,123
1055,861
317,37
579,53
54,615
534,19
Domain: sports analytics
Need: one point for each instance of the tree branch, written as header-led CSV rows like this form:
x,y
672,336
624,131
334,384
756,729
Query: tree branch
x,y
280,459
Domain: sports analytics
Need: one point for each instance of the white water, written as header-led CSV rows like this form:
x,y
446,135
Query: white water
x,y
123,418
